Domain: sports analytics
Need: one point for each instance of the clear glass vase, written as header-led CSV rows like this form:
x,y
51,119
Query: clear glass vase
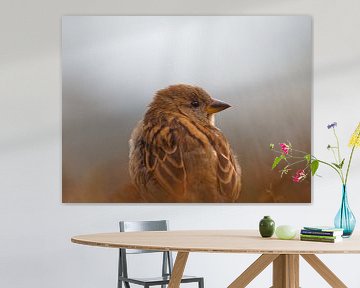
x,y
345,219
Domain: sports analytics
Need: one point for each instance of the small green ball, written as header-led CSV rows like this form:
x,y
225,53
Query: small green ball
x,y
285,232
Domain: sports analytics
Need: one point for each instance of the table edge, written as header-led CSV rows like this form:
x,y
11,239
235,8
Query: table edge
x,y
203,250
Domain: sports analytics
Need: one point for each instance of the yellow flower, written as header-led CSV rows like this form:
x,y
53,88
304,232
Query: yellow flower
x,y
355,137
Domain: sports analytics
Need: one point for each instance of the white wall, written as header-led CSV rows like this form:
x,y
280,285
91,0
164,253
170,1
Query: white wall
x,y
35,228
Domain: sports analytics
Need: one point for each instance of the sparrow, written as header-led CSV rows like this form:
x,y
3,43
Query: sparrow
x,y
177,154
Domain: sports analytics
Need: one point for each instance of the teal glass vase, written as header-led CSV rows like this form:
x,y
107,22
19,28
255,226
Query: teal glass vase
x,y
345,219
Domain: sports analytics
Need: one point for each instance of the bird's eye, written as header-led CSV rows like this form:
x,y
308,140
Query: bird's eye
x,y
195,104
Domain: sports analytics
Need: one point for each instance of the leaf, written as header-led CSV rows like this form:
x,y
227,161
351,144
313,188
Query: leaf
x,y
336,165
314,167
339,166
342,163
277,161
308,158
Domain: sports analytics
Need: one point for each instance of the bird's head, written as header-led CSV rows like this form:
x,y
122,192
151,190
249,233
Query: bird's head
x,y
190,101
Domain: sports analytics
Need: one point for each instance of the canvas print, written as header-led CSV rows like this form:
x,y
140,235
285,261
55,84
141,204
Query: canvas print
x,y
182,109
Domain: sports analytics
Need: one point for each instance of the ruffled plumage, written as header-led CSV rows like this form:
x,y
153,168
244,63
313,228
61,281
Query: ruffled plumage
x,y
174,158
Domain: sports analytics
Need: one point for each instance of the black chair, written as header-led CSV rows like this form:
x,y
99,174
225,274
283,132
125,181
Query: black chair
x,y
167,265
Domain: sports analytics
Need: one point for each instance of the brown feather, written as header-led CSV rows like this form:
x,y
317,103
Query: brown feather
x,y
176,156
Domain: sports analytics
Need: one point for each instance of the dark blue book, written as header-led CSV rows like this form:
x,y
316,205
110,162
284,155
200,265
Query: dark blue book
x,y
322,231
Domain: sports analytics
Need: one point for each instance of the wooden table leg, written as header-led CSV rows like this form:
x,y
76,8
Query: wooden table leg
x,y
293,261
253,270
324,271
178,269
286,271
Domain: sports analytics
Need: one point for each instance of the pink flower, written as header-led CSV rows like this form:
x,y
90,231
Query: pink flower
x,y
299,176
285,148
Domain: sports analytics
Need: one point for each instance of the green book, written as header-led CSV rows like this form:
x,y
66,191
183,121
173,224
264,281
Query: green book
x,y
325,240
319,236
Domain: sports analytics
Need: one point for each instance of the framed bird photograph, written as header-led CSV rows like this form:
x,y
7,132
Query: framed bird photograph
x,y
185,109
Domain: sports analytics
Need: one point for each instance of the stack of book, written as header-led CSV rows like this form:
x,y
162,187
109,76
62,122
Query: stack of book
x,y
321,234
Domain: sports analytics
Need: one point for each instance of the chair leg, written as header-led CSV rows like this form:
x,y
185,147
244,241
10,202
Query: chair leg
x,y
201,283
120,273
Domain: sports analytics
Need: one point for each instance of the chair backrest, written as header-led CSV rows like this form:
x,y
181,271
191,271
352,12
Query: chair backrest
x,y
134,226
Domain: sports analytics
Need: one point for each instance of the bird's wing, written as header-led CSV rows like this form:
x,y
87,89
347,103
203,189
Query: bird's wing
x,y
164,158
228,170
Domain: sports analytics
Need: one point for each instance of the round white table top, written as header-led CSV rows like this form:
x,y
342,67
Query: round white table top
x,y
218,241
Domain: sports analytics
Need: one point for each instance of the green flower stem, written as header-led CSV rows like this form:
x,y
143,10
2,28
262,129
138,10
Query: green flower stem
x,y
337,145
296,162
336,169
338,150
288,155
350,159
348,167
299,151
333,152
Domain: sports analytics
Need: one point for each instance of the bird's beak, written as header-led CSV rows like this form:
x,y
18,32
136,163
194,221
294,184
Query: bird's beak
x,y
216,106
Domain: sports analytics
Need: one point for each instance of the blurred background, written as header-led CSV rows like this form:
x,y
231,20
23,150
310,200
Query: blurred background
x,y
112,66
